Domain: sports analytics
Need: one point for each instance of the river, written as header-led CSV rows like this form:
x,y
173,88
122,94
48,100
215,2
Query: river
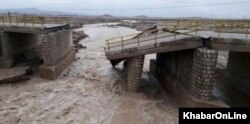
x,y
92,92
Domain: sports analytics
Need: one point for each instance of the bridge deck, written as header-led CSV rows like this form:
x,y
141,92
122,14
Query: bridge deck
x,y
166,41
30,25
31,28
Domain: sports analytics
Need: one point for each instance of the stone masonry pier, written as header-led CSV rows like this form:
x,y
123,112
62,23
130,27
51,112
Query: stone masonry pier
x,y
133,71
57,53
188,75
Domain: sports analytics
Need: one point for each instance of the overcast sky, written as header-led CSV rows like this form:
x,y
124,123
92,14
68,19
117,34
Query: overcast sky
x,y
128,7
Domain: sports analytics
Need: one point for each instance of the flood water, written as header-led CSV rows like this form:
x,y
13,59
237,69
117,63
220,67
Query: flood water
x,y
92,92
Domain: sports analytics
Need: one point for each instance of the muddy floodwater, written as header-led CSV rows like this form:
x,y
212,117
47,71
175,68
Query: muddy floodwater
x,y
89,92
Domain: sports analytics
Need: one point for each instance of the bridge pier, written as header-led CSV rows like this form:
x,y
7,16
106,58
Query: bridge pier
x,y
197,72
133,72
6,60
189,75
238,69
57,53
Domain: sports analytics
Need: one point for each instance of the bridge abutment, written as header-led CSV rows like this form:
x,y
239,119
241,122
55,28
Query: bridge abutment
x,y
18,46
5,58
133,72
51,43
238,69
57,53
189,76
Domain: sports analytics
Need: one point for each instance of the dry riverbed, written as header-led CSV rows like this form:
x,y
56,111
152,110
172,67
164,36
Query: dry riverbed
x,y
92,92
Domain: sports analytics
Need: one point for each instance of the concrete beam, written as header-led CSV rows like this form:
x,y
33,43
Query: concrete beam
x,y
237,45
115,62
38,28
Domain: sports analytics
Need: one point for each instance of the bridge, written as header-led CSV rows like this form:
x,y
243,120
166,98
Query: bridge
x,y
47,38
186,56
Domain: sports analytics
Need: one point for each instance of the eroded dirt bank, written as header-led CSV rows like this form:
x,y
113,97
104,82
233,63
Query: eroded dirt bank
x,y
91,93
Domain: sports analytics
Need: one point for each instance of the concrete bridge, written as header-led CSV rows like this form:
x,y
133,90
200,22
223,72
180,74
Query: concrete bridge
x,y
186,57
36,37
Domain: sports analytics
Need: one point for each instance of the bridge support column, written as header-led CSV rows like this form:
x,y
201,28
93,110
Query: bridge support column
x,y
202,77
6,60
239,70
196,70
189,76
134,72
57,53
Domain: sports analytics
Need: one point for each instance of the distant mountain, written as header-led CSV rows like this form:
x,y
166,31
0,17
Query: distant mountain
x,y
33,11
106,16
190,18
141,17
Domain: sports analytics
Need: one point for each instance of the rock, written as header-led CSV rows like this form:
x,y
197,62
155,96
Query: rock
x,y
78,35
94,74
76,25
49,90
66,110
79,46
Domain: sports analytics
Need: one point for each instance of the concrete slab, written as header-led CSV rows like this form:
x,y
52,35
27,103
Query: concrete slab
x,y
237,45
176,45
206,34
30,25
30,28
167,41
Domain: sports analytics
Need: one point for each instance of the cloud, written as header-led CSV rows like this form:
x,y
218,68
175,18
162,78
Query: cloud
x,y
78,6
28,3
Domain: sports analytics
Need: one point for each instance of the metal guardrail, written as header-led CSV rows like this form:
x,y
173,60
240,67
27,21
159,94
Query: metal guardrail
x,y
214,25
241,27
31,21
123,42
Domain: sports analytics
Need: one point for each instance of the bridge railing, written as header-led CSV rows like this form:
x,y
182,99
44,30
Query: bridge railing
x,y
241,27
227,26
123,41
31,21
